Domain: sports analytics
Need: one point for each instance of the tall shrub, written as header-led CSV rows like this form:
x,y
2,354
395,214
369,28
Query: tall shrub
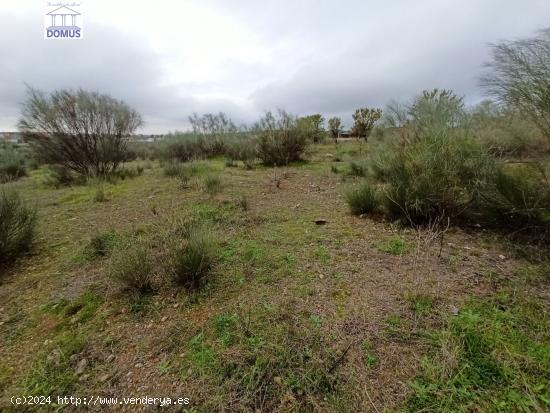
x,y
281,141
17,226
84,132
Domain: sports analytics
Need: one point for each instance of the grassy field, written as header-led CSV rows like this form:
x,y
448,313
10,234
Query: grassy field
x,y
348,314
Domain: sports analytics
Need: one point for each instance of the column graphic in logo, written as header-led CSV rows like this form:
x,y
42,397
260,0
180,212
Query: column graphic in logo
x,y
63,21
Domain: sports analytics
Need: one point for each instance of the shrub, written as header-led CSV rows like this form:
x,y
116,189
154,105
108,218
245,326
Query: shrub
x,y
519,77
518,199
212,184
131,265
438,175
173,168
83,131
242,150
60,176
357,169
362,200
17,226
280,140
12,165
437,110
193,261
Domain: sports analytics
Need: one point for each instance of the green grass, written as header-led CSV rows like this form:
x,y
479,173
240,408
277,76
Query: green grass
x,y
493,356
395,246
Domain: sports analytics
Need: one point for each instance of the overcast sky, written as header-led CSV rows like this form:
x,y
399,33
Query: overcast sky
x,y
171,58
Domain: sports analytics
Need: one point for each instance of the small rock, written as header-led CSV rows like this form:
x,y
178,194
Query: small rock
x,y
277,380
163,319
502,257
81,366
176,305
110,358
104,378
454,310
321,276
138,365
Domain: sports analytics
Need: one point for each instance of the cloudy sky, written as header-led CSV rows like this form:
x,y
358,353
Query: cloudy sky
x,y
171,58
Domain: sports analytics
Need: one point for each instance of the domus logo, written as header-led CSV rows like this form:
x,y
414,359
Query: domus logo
x,y
63,21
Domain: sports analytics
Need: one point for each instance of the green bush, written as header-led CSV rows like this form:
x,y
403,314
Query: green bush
x,y
17,226
439,174
12,165
357,169
193,261
281,141
518,198
132,266
242,150
362,200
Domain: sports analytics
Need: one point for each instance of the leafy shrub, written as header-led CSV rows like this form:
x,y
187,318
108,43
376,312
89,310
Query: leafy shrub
x,y
362,200
193,261
131,265
280,139
17,226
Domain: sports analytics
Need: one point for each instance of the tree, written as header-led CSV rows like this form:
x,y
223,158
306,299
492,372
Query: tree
x,y
312,126
364,120
82,131
335,127
520,77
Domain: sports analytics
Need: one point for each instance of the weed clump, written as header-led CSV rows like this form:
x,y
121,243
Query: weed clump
x,y
212,184
132,266
17,226
193,261
362,200
101,245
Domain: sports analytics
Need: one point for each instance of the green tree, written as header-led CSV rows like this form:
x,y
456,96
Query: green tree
x,y
313,127
335,127
364,120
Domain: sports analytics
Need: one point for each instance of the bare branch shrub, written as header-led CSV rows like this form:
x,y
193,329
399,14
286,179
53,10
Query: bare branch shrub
x,y
83,131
